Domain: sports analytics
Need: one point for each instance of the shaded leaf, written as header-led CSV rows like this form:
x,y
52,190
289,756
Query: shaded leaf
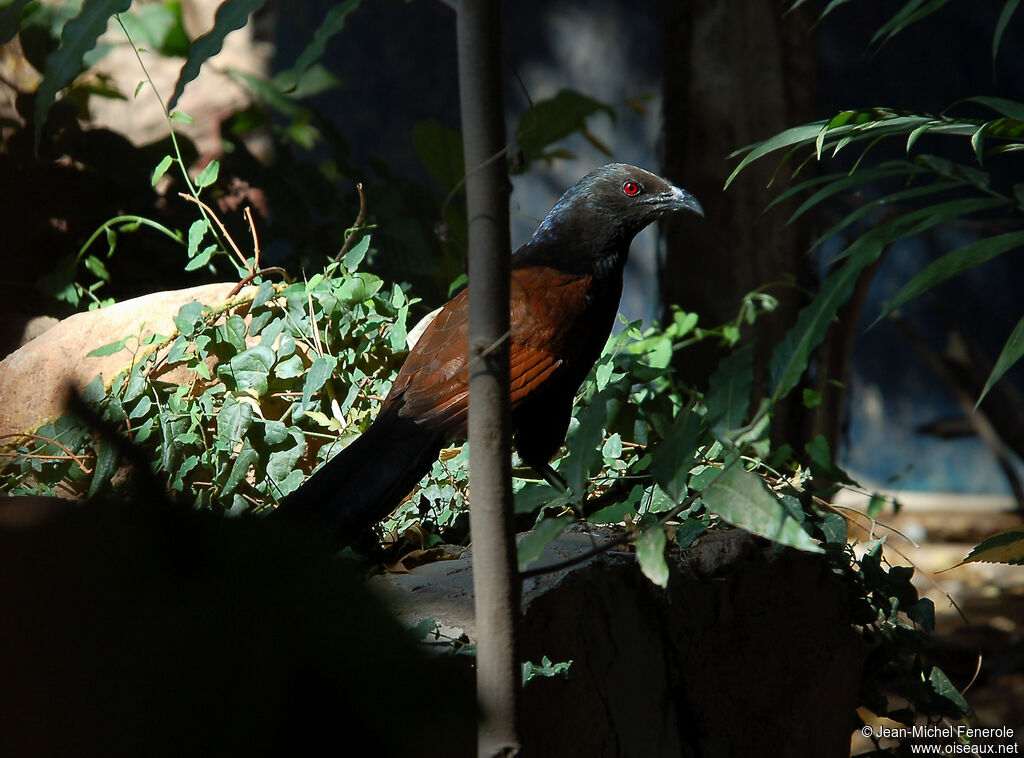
x,y
10,17
1009,7
952,264
555,119
672,460
231,15
439,148
107,459
333,23
62,65
1012,352
741,498
728,398
532,545
790,357
944,688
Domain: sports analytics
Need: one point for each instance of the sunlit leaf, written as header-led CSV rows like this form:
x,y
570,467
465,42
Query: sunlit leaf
x,y
650,554
795,136
1003,547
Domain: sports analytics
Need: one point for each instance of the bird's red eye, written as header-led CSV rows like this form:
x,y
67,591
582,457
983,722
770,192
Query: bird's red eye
x,y
631,188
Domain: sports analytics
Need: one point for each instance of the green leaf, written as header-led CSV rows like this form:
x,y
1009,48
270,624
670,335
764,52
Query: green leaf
x,y
1003,547
159,27
1009,7
922,613
792,354
925,218
246,459
1009,108
740,497
1012,352
533,496
584,445
209,174
356,254
532,545
249,370
316,377
196,232
233,421
189,315
793,137
546,669
728,398
10,18
202,258
820,457
952,264
332,24
944,688
109,349
910,13
439,148
105,468
263,294
231,15
554,119
650,554
161,168
62,65
359,288
841,182
672,460
232,331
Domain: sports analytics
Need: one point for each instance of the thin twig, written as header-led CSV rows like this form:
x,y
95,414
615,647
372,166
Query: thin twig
x,y
247,212
223,229
354,231
72,456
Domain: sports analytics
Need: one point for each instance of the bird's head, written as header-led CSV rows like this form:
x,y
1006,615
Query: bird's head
x,y
600,214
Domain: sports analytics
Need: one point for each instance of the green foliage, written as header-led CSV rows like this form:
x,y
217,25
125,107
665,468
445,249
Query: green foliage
x,y
546,669
77,38
231,15
234,437
988,138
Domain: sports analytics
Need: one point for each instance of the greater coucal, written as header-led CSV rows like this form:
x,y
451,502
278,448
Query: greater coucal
x,y
565,290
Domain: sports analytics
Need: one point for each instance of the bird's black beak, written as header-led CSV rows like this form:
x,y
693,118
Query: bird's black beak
x,y
676,199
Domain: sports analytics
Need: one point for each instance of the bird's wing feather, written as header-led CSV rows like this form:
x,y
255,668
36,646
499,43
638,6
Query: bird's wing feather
x,y
433,381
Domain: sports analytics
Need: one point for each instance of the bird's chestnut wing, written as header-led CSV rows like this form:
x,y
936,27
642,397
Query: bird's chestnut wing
x,y
433,382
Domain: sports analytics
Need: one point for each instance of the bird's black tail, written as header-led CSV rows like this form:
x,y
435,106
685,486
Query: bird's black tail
x,y
367,480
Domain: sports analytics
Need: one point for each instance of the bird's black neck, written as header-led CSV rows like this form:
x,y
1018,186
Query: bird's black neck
x,y
572,254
